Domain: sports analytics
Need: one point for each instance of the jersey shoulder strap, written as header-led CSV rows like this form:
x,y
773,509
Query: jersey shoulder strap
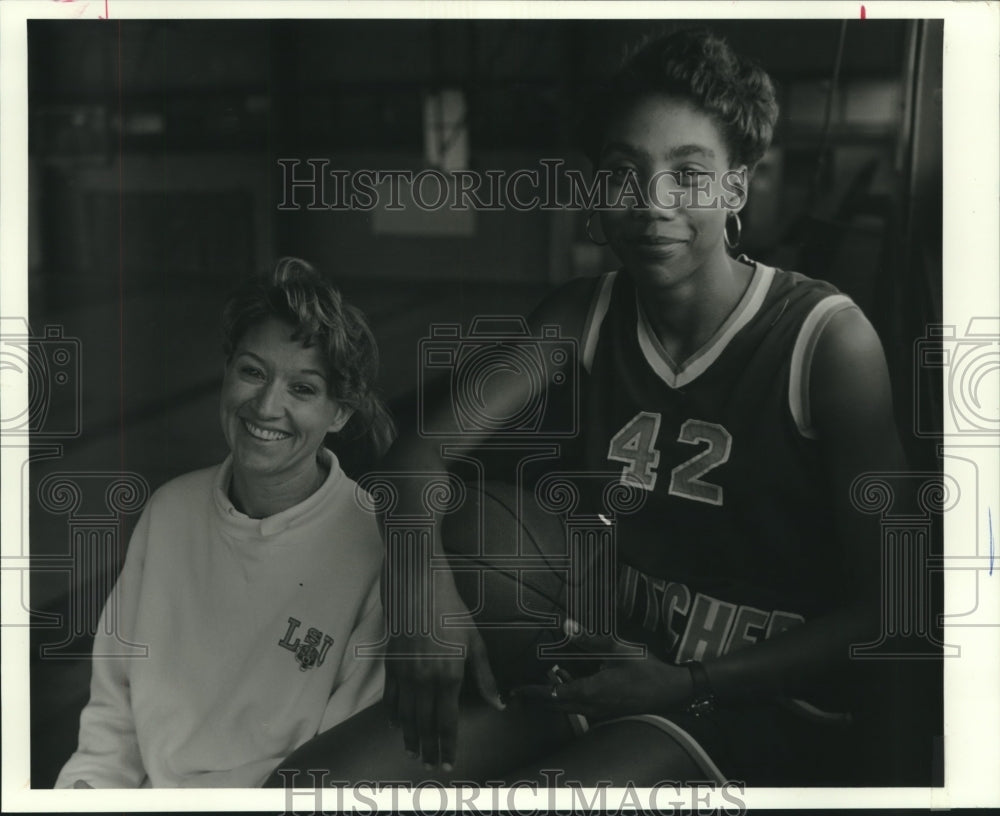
x,y
802,355
599,303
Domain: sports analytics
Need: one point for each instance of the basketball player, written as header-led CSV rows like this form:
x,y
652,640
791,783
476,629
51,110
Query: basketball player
x,y
745,400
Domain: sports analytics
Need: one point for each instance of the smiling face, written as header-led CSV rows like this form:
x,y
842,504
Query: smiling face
x,y
676,156
276,408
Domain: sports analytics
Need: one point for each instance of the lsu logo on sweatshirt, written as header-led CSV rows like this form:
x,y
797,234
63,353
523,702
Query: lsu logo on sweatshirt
x,y
310,651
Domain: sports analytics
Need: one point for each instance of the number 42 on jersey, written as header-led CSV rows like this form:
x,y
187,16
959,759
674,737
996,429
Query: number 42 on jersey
x,y
635,446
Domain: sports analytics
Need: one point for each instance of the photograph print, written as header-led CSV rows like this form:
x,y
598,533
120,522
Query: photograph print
x,y
526,402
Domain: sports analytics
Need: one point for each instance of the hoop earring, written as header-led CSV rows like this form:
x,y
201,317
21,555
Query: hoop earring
x,y
739,232
590,235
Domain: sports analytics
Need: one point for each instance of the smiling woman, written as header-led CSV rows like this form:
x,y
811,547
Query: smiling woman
x,y
276,410
249,583
741,400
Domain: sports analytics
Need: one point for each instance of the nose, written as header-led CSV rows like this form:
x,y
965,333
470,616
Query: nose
x,y
652,211
268,401
663,195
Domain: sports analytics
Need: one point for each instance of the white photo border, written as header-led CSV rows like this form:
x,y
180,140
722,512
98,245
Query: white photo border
x,y
971,98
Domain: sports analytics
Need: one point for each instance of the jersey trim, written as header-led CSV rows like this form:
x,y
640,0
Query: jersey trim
x,y
595,318
693,748
802,354
698,363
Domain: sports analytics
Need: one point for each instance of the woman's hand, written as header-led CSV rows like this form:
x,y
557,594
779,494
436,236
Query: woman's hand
x,y
422,682
643,685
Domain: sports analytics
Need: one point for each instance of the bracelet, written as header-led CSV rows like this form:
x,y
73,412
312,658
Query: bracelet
x,y
703,699
577,722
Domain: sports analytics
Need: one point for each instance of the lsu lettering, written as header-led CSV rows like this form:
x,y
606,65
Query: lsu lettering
x,y
693,626
309,652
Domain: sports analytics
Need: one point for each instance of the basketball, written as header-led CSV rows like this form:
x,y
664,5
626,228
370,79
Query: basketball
x,y
509,564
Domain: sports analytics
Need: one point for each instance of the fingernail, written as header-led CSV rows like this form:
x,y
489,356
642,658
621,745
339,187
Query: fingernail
x,y
428,766
447,766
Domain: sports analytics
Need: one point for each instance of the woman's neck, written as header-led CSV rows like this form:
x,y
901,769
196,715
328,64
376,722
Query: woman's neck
x,y
685,315
263,496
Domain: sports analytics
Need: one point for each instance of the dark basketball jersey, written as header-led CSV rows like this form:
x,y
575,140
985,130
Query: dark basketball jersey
x,y
735,540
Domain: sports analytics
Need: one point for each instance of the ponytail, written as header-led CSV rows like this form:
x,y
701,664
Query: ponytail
x,y
372,423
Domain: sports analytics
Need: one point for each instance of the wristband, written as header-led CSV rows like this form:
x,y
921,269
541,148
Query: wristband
x,y
703,698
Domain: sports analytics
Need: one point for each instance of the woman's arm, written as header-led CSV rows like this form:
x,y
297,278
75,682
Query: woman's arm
x,y
851,403
107,754
422,687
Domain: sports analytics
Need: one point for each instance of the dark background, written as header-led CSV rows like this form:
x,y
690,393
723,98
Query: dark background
x,y
154,188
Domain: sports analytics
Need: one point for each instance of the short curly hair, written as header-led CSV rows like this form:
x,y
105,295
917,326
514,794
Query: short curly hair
x,y
702,68
299,295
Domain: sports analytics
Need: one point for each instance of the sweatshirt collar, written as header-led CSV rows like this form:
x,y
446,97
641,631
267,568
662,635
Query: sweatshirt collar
x,y
241,524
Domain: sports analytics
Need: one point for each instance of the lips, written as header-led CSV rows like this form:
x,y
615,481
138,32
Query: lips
x,y
655,246
656,240
264,434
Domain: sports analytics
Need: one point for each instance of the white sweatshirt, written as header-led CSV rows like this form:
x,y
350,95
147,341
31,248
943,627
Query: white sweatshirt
x,y
250,627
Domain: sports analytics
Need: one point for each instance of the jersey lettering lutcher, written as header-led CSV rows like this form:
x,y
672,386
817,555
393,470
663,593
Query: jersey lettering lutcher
x,y
735,540
698,626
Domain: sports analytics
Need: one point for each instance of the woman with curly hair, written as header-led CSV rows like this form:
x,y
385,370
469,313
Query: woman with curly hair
x,y
229,639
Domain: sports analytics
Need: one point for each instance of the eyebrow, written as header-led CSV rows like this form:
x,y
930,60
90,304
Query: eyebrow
x,y
313,371
679,152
